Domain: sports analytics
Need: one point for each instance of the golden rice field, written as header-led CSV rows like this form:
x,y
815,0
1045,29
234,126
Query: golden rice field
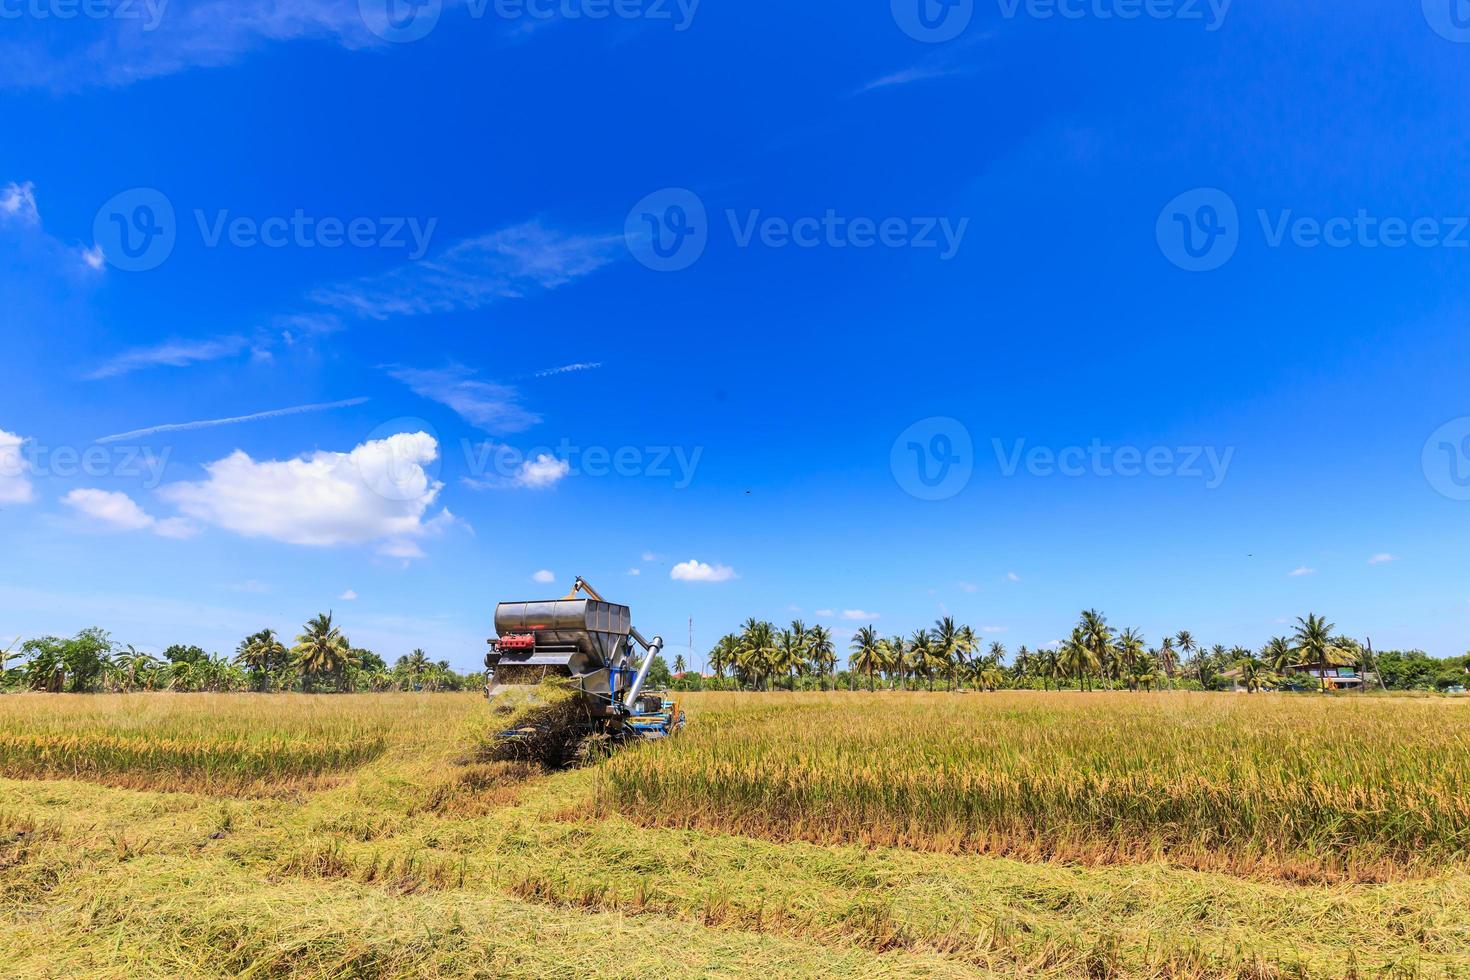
x,y
1303,787
844,835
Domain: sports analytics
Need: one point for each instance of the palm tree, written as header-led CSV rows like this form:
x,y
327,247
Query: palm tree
x,y
822,652
895,658
1130,655
922,656
867,655
322,650
1312,640
1251,671
679,665
1099,638
1187,643
1078,657
948,648
1051,666
724,654
789,656
1167,658
261,653
1278,654
756,650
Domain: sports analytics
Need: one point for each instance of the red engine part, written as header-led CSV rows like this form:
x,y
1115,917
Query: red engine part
x,y
518,641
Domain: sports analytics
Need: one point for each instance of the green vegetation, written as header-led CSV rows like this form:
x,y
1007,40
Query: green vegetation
x,y
1094,655
424,861
322,659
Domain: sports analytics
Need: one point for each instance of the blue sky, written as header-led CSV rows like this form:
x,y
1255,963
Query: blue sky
x,y
829,311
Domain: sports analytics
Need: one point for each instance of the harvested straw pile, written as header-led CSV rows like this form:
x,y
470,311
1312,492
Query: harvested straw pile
x,y
548,722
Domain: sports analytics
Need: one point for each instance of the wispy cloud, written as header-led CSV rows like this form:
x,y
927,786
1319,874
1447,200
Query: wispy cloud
x,y
1302,571
508,264
487,405
174,353
860,614
944,63
1381,558
568,369
211,423
20,219
152,38
18,203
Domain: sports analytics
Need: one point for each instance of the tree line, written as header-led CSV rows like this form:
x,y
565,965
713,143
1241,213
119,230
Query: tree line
x,y
761,656
321,659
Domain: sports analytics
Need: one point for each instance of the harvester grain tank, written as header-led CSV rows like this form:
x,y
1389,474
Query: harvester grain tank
x,y
589,644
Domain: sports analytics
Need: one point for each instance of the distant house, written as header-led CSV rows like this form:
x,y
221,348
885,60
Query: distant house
x,y
1333,677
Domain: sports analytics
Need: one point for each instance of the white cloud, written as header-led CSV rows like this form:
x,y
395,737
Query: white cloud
x,y
15,469
349,596
1382,557
635,571
825,613
544,576
1303,570
93,258
119,512
484,404
507,264
18,203
968,587
378,493
174,353
542,472
698,571
860,614
1012,577
650,556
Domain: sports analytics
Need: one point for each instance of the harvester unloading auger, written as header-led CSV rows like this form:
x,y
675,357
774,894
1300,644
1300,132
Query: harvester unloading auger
x,y
562,672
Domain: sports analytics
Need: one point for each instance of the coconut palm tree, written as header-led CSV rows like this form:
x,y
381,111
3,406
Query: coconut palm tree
x,y
322,651
947,648
724,654
1079,659
895,659
1168,659
1131,655
867,653
756,651
1050,658
822,652
261,653
679,664
1098,636
1252,671
1278,654
1187,644
1312,641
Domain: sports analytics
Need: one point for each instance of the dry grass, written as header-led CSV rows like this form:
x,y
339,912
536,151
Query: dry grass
x,y
263,746
418,863
1296,787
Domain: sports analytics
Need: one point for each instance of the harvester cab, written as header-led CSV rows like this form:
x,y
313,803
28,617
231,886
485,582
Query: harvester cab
x,y
586,646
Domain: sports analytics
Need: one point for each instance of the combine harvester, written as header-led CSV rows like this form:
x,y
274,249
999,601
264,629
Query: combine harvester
x,y
573,658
